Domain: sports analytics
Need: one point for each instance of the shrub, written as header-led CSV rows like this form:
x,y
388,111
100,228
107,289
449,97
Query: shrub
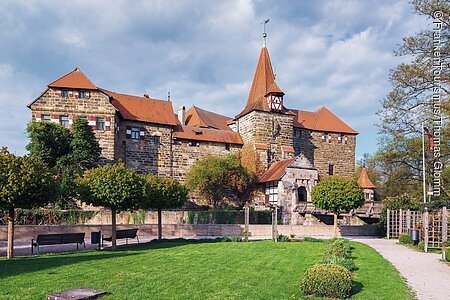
x,y
404,239
338,249
347,263
447,253
226,239
283,238
327,280
446,244
236,238
421,246
313,240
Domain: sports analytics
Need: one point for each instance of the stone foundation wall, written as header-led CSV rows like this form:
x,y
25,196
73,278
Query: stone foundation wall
x,y
28,232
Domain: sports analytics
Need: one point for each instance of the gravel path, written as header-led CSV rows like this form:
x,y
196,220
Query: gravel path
x,y
425,273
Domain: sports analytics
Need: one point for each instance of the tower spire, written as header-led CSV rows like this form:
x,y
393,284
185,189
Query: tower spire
x,y
264,33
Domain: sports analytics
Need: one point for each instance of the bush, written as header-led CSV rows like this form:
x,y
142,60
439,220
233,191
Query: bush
x,y
327,280
226,239
283,238
347,263
404,239
313,240
338,249
421,246
447,253
446,244
236,238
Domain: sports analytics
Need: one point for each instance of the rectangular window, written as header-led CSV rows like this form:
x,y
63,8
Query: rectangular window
x,y
194,144
227,146
272,192
135,133
330,169
65,93
367,196
156,140
64,121
83,94
46,118
325,137
100,124
341,138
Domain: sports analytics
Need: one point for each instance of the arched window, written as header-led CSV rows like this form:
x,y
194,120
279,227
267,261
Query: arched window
x,y
302,194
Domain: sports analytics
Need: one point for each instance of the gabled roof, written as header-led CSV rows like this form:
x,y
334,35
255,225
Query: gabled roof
x,y
207,134
364,180
276,170
143,109
321,120
74,80
199,117
263,83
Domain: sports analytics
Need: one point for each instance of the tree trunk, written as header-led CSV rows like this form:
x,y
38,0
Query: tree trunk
x,y
159,224
335,228
10,250
113,228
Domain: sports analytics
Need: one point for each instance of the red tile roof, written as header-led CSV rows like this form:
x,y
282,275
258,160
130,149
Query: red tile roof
x,y
207,134
276,170
261,146
142,109
364,180
263,83
321,120
200,117
287,149
74,80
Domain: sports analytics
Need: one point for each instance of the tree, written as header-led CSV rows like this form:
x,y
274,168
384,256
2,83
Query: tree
x,y
48,141
410,103
213,178
68,152
250,159
113,186
25,182
163,193
337,194
84,148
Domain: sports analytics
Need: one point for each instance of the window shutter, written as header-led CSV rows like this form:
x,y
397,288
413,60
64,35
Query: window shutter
x,y
329,138
345,139
70,121
107,123
142,133
54,118
323,137
128,132
92,122
38,117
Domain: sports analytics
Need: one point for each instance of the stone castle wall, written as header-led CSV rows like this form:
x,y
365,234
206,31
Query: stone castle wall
x,y
151,153
186,153
52,103
258,127
342,156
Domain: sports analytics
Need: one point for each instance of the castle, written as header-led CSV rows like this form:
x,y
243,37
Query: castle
x,y
295,147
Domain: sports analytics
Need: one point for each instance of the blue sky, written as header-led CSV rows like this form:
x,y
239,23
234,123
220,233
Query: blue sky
x,y
325,53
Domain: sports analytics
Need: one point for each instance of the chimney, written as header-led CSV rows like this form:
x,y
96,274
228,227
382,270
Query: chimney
x,y
182,115
146,96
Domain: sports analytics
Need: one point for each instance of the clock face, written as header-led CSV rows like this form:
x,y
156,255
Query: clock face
x,y
275,102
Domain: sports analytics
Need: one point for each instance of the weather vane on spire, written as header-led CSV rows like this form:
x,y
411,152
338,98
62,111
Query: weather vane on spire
x,y
264,33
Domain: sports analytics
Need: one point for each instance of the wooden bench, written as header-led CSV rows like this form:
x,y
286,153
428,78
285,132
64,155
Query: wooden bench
x,y
123,234
58,239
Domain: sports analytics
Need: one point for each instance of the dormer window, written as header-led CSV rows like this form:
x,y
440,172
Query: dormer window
x,y
275,102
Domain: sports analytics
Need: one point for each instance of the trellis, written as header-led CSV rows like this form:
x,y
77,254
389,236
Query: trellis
x,y
435,225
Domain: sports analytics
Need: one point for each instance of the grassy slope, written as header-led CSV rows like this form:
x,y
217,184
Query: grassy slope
x,y
181,270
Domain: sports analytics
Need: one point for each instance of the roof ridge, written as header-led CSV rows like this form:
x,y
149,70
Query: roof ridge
x,y
70,73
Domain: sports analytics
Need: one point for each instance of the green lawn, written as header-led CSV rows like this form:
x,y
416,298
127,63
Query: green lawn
x,y
193,270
